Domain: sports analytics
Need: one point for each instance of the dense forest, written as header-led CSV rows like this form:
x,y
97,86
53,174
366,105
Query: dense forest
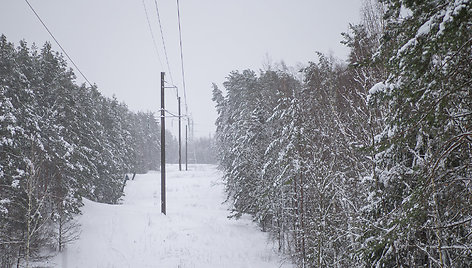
x,y
364,164
60,142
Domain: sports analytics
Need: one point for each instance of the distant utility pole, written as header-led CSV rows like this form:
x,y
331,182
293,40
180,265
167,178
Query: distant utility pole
x,y
186,159
163,150
180,142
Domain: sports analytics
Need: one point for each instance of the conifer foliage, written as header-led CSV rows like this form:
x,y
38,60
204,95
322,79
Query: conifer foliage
x,y
423,211
59,142
365,164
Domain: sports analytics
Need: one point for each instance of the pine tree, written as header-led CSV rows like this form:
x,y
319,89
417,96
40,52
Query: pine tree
x,y
422,209
59,142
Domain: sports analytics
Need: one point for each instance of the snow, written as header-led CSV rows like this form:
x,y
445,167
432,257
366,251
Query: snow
x,y
15,183
3,202
405,12
451,11
195,232
425,28
379,87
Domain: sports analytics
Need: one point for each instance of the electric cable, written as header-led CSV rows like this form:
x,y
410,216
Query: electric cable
x,y
164,45
182,58
152,34
57,42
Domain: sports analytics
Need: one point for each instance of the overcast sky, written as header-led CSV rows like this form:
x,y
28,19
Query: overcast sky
x,y
111,43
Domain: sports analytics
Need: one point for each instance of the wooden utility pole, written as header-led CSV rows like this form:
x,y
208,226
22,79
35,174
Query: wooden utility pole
x,y
186,159
180,140
163,150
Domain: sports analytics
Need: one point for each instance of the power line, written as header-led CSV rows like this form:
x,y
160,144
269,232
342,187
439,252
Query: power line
x,y
182,58
164,45
57,42
152,34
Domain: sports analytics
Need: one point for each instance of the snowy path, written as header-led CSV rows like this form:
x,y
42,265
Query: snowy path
x,y
195,232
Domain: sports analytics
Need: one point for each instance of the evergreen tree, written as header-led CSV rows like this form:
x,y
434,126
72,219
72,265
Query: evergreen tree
x,y
59,142
422,209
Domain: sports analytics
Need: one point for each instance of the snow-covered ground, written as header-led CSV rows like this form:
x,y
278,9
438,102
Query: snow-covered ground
x,y
195,232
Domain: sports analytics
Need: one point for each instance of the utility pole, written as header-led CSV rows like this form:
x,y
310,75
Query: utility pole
x,y
180,142
186,146
163,150
192,136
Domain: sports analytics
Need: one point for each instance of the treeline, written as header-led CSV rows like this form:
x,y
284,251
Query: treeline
x,y
365,164
59,142
201,151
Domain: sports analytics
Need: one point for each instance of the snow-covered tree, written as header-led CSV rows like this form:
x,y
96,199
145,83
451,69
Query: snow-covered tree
x,y
59,142
422,210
